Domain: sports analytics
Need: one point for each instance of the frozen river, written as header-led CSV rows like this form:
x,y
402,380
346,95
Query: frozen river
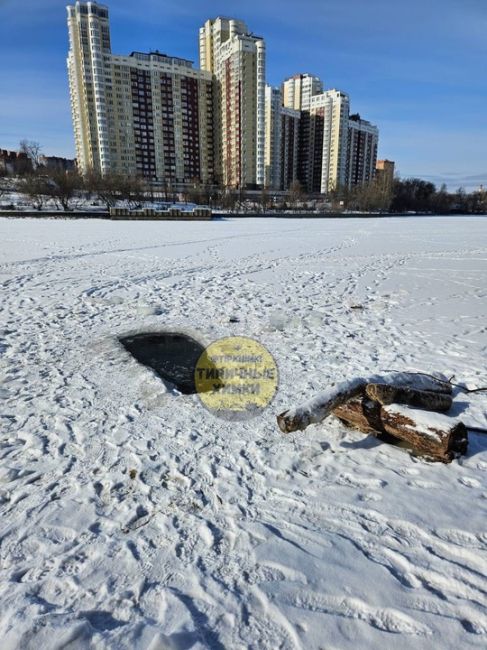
x,y
131,517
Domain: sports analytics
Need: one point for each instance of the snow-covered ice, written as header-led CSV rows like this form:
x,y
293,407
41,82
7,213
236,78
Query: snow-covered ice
x,y
133,518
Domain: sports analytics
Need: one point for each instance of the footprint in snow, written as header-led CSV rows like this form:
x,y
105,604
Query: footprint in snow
x,y
352,481
423,485
408,471
371,496
469,482
462,538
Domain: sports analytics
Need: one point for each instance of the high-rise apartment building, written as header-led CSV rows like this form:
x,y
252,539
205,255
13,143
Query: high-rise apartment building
x,y
273,126
237,60
155,116
290,130
298,90
363,141
328,144
281,141
149,115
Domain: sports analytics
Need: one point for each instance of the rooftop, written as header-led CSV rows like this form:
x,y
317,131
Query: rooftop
x,y
159,56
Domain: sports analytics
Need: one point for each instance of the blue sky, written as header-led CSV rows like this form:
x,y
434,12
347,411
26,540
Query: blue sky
x,y
415,68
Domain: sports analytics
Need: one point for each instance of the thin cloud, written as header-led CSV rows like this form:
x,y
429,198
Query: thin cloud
x,y
454,181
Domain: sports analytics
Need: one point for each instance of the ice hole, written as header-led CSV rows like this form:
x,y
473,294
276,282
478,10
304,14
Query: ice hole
x,y
172,355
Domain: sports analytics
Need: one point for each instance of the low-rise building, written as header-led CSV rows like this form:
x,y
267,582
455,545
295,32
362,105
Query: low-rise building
x,y
14,162
384,171
57,163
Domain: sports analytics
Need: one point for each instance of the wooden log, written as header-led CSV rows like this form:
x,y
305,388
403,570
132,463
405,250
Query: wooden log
x,y
434,435
387,394
417,381
318,408
321,406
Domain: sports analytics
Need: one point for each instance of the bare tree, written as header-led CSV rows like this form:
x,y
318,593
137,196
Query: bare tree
x,y
195,192
215,195
242,202
265,199
168,190
132,189
63,187
375,195
5,185
294,194
338,196
33,150
106,188
383,193
229,200
37,188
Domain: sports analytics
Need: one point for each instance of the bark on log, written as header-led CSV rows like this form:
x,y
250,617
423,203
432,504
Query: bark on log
x,y
417,381
436,436
318,408
386,394
321,406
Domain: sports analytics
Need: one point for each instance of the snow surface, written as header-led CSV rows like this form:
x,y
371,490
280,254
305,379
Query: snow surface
x,y
132,518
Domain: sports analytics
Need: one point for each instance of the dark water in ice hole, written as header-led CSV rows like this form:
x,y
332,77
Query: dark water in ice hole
x,y
173,356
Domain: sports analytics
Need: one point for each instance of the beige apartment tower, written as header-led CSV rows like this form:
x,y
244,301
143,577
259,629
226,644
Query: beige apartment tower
x,y
298,90
236,58
147,114
329,119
